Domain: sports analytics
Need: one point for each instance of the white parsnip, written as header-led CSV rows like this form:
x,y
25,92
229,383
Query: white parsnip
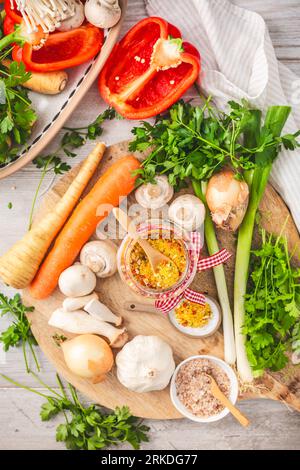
x,y
19,265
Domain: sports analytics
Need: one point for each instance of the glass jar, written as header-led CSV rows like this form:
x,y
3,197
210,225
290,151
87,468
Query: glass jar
x,y
162,229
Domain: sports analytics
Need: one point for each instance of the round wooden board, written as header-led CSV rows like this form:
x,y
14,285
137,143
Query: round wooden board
x,y
157,405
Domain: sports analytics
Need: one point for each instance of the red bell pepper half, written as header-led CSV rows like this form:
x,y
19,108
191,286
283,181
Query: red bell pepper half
x,y
148,70
62,50
13,14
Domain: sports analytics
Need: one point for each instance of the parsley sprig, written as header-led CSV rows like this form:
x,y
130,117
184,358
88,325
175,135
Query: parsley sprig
x,y
87,427
16,113
19,332
272,305
194,142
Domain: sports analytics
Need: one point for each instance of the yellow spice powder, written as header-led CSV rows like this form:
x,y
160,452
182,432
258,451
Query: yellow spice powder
x,y
193,315
168,273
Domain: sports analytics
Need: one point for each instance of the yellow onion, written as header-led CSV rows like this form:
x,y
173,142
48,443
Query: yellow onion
x,y
88,356
227,199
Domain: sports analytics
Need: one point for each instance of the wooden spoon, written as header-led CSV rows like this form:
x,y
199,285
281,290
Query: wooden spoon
x,y
219,395
155,257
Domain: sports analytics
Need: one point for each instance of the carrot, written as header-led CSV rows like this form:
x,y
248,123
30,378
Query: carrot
x,y
116,183
19,265
47,83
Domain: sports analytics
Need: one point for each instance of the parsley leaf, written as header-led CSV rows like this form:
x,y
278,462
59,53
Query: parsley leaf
x,y
87,427
272,306
19,332
194,142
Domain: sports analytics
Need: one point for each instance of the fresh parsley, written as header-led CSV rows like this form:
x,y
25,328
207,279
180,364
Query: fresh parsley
x,y
272,306
16,113
19,332
194,142
87,427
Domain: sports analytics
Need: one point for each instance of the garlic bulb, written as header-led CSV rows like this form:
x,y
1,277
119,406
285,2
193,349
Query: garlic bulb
x,y
188,212
154,196
100,256
77,281
227,199
146,363
75,20
88,356
102,13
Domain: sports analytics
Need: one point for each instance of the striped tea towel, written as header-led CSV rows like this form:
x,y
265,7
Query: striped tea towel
x,y
238,61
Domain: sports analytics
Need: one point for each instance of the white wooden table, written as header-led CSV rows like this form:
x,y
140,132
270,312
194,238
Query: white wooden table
x,y
273,425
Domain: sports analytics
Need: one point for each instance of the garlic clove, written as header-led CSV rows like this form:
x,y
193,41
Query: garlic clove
x,y
155,196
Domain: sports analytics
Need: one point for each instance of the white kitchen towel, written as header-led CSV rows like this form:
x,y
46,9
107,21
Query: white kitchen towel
x,y
238,61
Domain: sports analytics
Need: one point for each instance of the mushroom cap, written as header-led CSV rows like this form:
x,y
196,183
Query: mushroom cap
x,y
188,212
102,14
100,256
155,196
77,281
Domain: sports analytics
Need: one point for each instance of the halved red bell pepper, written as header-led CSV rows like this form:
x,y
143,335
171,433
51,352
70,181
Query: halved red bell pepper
x,y
148,70
62,50
14,14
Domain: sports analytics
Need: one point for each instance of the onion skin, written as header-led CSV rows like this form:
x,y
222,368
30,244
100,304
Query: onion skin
x,y
88,356
227,199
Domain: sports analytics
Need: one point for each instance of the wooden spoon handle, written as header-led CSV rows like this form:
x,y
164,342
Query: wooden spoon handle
x,y
140,307
125,222
243,420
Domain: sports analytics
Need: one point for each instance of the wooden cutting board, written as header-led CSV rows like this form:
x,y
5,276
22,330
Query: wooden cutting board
x,y
284,386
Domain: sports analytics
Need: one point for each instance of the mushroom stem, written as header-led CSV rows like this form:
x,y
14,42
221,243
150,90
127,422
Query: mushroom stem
x,y
76,303
98,310
79,322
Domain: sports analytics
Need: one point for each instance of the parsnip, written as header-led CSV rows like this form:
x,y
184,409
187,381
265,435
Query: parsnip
x,y
47,83
19,265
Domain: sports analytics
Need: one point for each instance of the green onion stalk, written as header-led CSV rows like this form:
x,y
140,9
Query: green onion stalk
x,y
257,180
219,274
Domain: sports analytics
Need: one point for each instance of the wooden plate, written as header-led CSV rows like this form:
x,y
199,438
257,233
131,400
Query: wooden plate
x,y
284,385
60,107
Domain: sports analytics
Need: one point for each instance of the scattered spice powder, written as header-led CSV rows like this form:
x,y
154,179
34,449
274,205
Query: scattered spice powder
x,y
193,387
190,314
168,273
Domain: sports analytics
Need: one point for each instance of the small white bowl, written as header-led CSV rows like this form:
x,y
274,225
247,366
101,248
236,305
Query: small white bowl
x,y
209,329
234,390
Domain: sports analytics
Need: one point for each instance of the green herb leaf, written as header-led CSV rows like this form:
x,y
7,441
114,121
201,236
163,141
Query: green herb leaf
x,y
19,332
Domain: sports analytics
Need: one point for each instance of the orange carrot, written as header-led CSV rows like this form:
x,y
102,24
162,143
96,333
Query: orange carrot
x,y
116,183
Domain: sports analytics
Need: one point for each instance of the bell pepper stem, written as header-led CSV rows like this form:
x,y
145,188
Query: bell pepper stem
x,y
13,38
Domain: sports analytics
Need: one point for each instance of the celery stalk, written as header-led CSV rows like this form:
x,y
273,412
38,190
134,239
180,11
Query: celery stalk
x,y
213,247
257,180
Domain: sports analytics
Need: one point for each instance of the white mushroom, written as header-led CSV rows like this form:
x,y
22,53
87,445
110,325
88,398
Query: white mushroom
x,y
296,357
154,196
77,281
100,256
75,20
79,322
102,13
101,312
76,303
188,212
